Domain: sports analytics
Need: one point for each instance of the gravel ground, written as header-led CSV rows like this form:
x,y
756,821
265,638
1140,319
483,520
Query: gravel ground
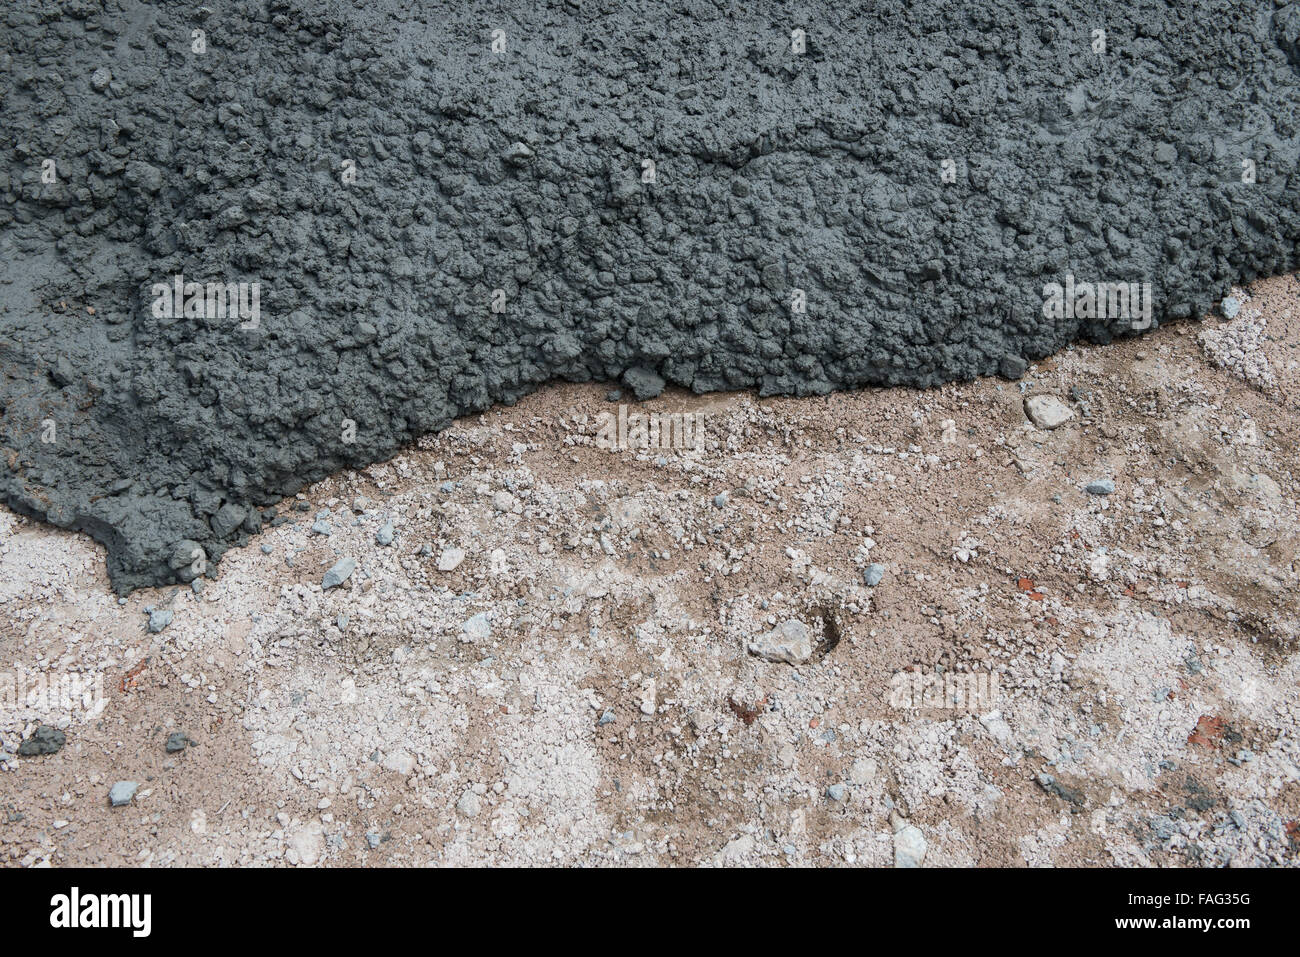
x,y
586,685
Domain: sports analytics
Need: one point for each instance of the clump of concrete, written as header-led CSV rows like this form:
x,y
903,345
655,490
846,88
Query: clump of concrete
x,y
243,248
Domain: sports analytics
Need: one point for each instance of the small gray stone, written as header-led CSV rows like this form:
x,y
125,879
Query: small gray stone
x,y
1012,367
321,527
450,559
385,534
518,154
606,718
863,771
837,792
46,739
186,558
476,629
1047,411
228,518
1230,307
468,805
177,741
872,574
122,792
644,383
909,843
720,500
372,839
788,642
267,549
339,573
1100,487
101,78
159,619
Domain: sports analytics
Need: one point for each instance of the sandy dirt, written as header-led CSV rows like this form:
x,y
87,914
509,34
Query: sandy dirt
x,y
580,688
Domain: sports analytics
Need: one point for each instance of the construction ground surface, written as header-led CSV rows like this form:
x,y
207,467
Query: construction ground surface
x,y
558,658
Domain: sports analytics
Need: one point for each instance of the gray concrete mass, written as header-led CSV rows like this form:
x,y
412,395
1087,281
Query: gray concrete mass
x,y
435,224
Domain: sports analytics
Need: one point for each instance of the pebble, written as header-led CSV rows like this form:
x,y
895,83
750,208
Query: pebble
x,y
320,527
1047,411
122,792
909,843
837,792
177,741
518,153
1230,306
228,518
267,549
503,501
340,573
1100,487
400,762
649,697
1012,367
450,559
872,574
644,383
863,771
606,718
46,739
468,804
372,839
476,629
385,534
159,619
101,78
788,642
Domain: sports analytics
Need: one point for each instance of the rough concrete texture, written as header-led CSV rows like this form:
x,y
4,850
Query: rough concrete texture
x,y
445,205
1147,711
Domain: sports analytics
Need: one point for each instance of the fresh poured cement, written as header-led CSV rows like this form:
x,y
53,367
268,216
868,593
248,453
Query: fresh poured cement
x,y
438,206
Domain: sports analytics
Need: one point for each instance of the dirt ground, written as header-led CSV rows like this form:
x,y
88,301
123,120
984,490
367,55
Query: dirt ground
x,y
580,688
